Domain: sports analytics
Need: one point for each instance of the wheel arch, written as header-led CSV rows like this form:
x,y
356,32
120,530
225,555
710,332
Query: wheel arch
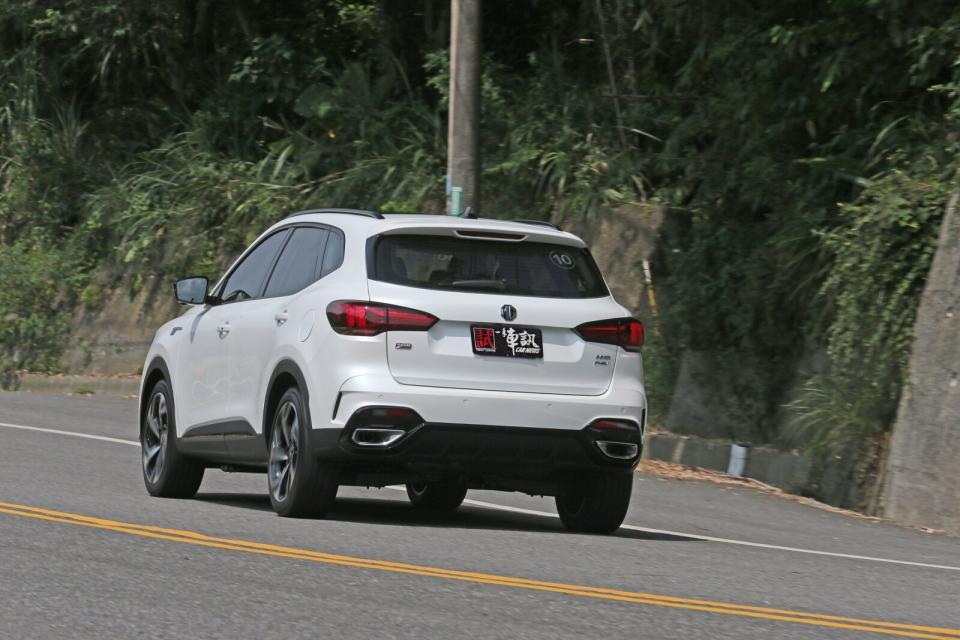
x,y
285,375
155,372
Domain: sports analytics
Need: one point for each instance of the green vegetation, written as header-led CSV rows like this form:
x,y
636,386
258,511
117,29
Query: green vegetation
x,y
803,153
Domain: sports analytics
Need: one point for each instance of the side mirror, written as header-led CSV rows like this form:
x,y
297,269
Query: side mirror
x,y
191,290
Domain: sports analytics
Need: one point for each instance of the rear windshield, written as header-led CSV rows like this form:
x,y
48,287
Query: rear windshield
x,y
485,266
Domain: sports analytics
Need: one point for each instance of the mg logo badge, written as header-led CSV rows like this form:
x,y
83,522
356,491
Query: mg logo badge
x,y
508,312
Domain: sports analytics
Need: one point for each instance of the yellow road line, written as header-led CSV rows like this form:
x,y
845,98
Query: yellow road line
x,y
765,613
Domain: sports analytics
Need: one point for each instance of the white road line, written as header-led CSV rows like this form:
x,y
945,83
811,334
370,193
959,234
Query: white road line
x,y
533,512
703,538
742,543
74,434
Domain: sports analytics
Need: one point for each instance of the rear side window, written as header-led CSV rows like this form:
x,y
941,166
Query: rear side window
x,y
299,264
518,268
333,257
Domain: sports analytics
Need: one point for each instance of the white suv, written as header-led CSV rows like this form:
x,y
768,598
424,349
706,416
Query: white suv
x,y
350,347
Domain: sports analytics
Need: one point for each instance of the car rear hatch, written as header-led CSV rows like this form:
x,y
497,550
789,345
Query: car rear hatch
x,y
506,309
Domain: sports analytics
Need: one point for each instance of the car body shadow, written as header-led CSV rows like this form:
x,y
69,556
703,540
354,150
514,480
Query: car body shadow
x,y
379,511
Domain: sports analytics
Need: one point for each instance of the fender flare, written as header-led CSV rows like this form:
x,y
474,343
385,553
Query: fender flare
x,y
288,367
158,366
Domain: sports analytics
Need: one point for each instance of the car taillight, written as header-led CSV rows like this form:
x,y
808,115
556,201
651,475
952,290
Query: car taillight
x,y
371,318
624,332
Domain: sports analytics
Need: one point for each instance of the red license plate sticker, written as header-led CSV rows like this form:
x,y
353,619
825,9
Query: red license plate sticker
x,y
484,340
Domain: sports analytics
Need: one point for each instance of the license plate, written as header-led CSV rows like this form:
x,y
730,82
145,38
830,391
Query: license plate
x,y
507,341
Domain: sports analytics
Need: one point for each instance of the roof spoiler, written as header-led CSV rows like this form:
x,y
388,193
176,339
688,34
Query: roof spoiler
x,y
539,223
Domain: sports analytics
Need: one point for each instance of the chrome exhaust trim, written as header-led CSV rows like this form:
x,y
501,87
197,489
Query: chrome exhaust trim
x,y
618,450
376,436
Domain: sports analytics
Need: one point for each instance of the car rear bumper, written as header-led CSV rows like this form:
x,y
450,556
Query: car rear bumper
x,y
532,442
512,458
624,399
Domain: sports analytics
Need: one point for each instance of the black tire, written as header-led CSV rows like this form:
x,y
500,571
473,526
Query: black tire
x,y
599,505
443,496
166,472
306,488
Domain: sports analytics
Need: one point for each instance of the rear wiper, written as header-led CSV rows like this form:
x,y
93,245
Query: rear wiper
x,y
496,285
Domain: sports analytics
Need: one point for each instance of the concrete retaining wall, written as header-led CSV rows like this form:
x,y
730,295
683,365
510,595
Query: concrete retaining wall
x,y
787,470
123,386
115,338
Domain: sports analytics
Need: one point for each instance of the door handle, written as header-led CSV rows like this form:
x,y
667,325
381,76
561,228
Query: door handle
x,y
223,329
281,317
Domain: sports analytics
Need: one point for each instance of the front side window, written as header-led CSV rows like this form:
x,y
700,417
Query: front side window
x,y
455,264
299,264
247,278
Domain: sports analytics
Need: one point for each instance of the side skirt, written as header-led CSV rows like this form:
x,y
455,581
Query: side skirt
x,y
227,442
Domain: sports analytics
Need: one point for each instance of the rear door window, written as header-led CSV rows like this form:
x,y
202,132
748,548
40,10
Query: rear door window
x,y
299,264
518,268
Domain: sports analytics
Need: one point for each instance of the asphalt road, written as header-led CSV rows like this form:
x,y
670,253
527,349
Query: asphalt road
x,y
85,553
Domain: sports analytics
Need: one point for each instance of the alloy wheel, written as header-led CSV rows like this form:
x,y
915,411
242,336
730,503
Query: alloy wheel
x,y
154,439
284,450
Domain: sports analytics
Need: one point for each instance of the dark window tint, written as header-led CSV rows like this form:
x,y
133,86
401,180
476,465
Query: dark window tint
x,y
519,268
333,257
299,264
247,279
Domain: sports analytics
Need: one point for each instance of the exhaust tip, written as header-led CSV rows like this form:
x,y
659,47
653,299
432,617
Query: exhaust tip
x,y
618,450
376,436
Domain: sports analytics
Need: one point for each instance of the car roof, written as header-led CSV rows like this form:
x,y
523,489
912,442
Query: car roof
x,y
376,222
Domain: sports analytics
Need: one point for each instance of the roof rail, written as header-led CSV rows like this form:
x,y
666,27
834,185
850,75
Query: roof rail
x,y
539,223
411,213
353,212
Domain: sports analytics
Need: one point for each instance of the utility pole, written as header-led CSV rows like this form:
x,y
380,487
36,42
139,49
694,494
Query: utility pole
x,y
463,135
